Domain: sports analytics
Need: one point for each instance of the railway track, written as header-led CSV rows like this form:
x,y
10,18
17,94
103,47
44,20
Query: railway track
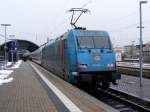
x,y
122,102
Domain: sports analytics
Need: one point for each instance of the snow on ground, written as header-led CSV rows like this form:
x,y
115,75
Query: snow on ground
x,y
5,75
16,65
1,66
9,64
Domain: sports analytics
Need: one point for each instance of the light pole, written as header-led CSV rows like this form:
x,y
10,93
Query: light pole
x,y
141,42
5,25
12,47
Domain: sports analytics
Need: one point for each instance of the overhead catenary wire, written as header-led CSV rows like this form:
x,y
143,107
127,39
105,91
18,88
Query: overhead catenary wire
x,y
129,26
146,21
87,3
106,24
123,18
60,24
66,20
119,19
125,27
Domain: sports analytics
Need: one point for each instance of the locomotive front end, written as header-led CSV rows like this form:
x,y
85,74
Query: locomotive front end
x,y
96,57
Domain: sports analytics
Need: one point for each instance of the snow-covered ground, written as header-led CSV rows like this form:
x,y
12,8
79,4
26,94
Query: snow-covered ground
x,y
9,64
16,65
5,75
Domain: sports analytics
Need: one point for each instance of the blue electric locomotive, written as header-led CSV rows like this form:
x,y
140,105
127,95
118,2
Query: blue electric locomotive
x,y
81,56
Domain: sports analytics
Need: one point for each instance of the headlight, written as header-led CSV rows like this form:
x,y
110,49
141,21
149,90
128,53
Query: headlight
x,y
111,65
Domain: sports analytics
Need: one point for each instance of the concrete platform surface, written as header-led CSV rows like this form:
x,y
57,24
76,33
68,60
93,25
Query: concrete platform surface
x,y
24,93
131,85
82,100
29,93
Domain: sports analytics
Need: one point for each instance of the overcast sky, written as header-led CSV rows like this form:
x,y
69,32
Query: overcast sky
x,y
35,20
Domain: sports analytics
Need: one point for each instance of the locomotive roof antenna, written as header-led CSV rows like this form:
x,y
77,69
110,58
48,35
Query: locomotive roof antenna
x,y
73,10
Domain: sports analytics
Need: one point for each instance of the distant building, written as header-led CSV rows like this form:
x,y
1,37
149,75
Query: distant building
x,y
119,52
132,52
146,52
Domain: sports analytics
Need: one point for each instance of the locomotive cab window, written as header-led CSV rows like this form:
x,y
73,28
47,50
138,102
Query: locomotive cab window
x,y
93,42
101,42
85,42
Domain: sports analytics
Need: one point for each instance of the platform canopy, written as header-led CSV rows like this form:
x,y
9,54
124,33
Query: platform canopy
x,y
20,45
16,48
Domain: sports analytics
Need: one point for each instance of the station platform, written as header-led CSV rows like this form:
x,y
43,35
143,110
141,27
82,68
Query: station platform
x,y
36,90
131,86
